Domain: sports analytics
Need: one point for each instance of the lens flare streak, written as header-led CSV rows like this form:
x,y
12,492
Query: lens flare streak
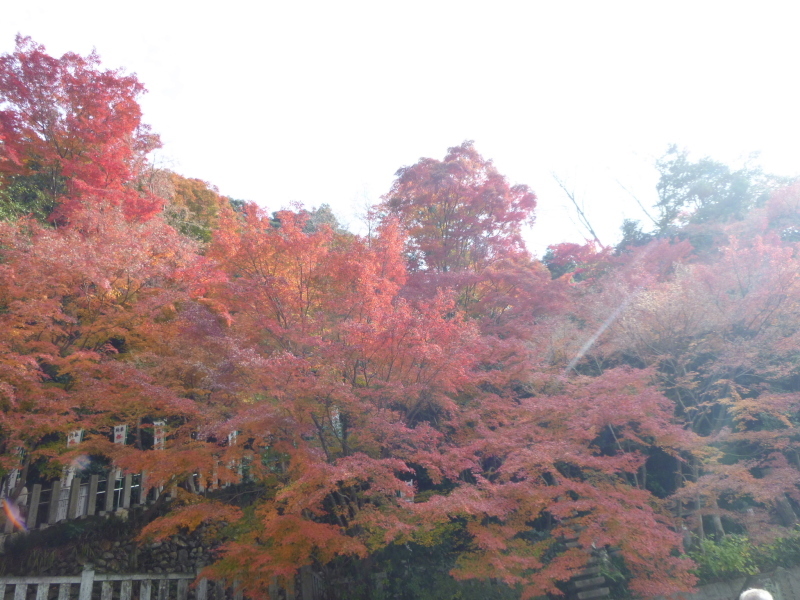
x,y
13,514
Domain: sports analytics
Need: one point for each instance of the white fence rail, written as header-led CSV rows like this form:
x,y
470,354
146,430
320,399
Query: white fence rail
x,y
125,587
116,493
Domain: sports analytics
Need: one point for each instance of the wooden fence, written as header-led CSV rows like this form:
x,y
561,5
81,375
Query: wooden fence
x,y
124,587
145,586
116,493
95,496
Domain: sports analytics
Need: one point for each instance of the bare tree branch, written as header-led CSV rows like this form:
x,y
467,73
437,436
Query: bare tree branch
x,y
639,202
584,220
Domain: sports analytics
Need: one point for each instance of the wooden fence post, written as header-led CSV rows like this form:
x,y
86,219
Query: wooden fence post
x,y
142,492
306,583
163,589
91,501
111,483
74,496
126,590
55,500
20,591
126,491
201,592
183,589
87,582
33,509
274,588
106,590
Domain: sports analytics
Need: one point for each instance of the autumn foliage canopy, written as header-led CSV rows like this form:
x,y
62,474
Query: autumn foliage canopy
x,y
430,382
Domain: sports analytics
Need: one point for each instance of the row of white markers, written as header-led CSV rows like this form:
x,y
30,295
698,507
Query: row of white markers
x,y
120,436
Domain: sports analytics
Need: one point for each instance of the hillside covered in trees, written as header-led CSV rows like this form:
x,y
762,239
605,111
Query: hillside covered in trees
x,y
428,393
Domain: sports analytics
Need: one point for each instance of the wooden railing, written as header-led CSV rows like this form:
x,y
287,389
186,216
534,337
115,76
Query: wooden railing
x,y
94,496
115,494
141,586
147,586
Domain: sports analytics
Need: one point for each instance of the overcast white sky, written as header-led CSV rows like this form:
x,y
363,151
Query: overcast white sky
x,y
323,101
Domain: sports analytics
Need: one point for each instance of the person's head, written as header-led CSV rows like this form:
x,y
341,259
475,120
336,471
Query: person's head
x,y
755,595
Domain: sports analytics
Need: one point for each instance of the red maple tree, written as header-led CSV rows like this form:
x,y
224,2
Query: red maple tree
x,y
74,131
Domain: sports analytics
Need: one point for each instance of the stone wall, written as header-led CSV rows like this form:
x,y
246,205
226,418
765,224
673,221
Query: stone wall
x,y
178,554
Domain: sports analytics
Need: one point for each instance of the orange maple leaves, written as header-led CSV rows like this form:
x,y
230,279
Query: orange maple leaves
x,y
75,126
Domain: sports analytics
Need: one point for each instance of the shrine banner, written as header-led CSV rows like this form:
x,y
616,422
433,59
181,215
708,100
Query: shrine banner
x,y
159,435
120,434
74,438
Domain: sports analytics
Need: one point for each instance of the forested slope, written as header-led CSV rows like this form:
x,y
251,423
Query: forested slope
x,y
428,392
